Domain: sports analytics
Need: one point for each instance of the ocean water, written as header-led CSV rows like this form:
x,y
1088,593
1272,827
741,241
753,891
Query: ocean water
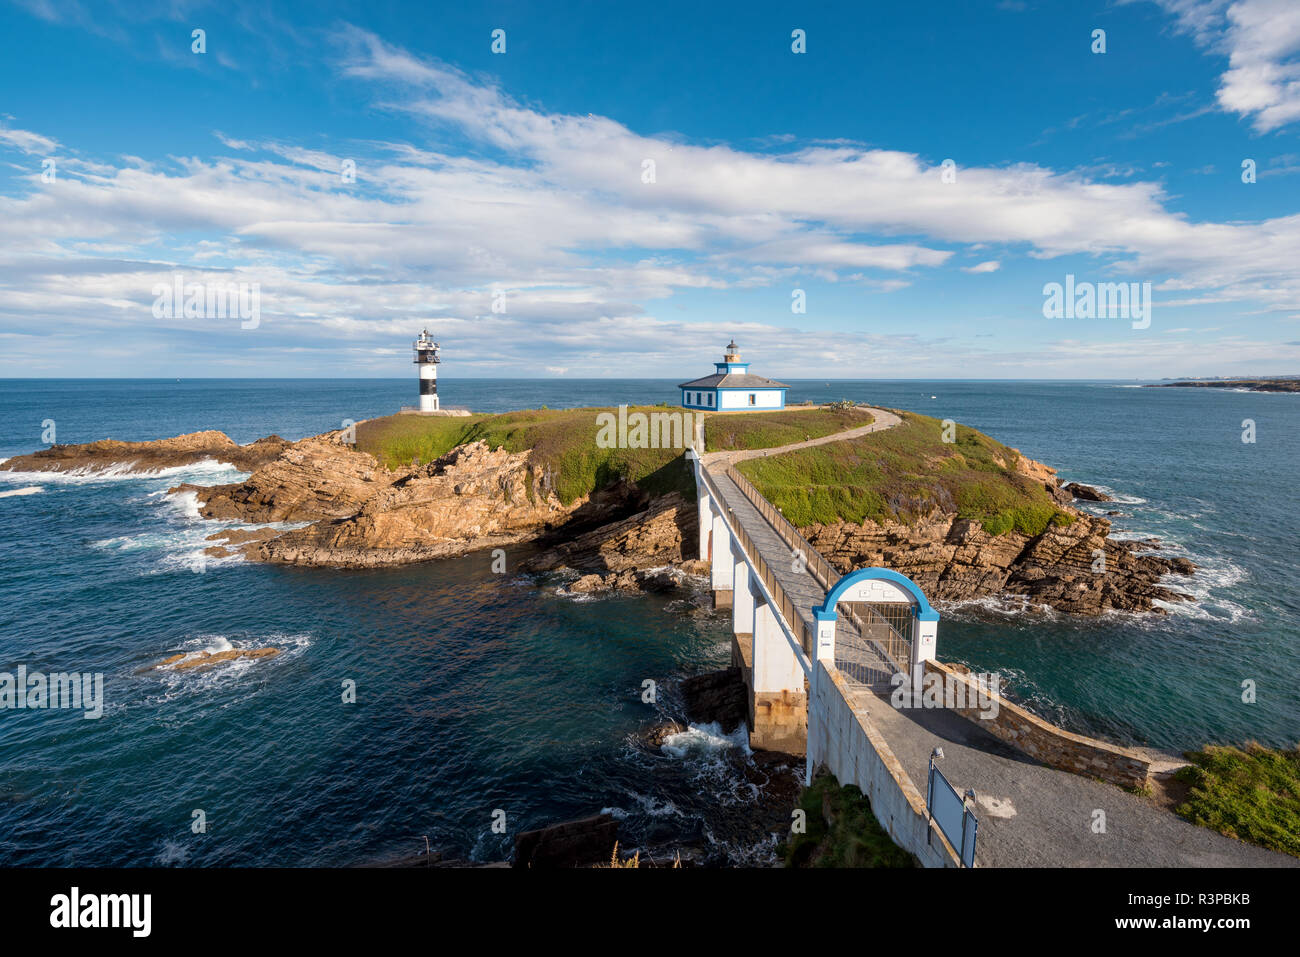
x,y
484,698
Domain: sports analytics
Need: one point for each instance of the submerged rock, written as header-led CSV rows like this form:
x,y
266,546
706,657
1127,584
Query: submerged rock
x,y
188,661
654,736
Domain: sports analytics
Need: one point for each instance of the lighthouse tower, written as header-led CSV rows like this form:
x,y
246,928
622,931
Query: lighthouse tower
x,y
426,357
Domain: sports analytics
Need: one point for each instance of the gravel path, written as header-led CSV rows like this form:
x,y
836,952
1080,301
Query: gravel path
x,y
882,420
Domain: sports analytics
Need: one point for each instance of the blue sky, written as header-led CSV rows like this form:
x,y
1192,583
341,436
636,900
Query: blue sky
x,y
519,178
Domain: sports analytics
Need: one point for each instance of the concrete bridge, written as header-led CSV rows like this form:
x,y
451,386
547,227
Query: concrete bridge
x,y
826,660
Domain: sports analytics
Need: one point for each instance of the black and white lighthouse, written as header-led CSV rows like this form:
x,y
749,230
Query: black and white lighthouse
x,y
426,357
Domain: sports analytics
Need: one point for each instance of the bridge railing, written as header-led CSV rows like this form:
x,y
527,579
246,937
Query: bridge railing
x,y
897,647
786,606
817,566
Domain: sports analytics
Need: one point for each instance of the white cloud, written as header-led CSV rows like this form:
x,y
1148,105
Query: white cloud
x,y
551,209
27,142
1261,39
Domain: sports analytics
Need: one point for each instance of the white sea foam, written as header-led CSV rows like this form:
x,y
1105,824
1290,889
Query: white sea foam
x,y
705,738
229,674
187,503
1003,605
656,807
185,541
216,473
25,490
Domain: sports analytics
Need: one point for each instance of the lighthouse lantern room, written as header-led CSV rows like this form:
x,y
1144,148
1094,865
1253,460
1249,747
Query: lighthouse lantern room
x,y
426,357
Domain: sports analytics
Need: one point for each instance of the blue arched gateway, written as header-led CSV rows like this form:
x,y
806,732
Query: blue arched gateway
x,y
898,624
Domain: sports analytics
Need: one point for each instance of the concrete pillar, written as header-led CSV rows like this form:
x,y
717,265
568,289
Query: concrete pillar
x,y
742,599
724,569
924,637
706,517
817,749
780,701
825,647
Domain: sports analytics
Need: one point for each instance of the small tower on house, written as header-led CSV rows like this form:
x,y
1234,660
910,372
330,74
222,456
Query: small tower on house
x,y
426,357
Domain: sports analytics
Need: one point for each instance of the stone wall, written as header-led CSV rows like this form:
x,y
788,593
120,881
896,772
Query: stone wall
x,y
855,752
1046,742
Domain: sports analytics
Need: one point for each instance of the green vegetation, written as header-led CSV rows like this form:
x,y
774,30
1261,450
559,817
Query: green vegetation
x,y
842,831
563,443
1252,794
903,473
766,430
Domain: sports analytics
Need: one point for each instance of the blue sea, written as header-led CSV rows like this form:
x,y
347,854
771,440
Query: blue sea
x,y
485,699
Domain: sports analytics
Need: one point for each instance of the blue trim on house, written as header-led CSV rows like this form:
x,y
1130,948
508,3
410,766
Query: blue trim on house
x,y
826,610
717,398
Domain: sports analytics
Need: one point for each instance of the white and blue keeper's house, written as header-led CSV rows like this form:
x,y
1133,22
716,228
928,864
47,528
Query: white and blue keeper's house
x,y
732,389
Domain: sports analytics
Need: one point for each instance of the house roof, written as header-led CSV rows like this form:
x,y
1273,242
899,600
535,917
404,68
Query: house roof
x,y
732,380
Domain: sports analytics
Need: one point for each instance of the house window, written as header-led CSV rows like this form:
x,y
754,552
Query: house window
x,y
751,398
710,398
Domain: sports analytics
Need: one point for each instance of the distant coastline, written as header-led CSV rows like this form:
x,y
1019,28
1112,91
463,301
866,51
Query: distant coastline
x,y
1279,384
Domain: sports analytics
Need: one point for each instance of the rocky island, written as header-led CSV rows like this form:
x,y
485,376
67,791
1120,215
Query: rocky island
x,y
1279,384
961,514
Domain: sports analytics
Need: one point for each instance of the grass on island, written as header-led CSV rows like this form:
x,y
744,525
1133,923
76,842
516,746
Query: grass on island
x,y
563,442
903,473
1250,793
766,430
841,831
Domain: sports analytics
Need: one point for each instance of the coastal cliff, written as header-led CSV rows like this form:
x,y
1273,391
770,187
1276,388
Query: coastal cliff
x,y
955,559
628,521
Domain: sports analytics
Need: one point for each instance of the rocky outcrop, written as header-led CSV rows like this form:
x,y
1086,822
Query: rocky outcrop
x,y
955,559
664,533
649,551
150,456
473,497
717,696
310,480
236,540
364,515
584,843
204,660
1086,492
643,580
